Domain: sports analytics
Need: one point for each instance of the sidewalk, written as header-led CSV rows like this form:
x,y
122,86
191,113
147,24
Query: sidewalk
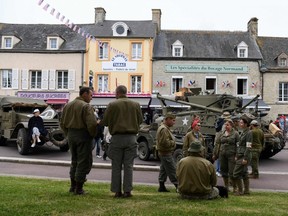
x,y
67,163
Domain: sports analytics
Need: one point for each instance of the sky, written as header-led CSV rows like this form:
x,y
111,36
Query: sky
x,y
215,15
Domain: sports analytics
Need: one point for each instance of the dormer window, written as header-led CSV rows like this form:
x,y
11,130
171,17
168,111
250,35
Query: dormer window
x,y
177,49
8,42
120,29
242,50
282,60
54,42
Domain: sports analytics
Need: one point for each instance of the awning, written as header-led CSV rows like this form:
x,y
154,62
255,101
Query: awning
x,y
57,101
261,104
155,103
102,102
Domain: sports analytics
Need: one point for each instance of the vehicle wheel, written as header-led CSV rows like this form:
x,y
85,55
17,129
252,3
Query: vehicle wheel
x,y
23,144
64,148
143,151
3,141
178,155
57,138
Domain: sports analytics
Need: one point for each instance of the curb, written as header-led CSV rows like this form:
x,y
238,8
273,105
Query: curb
x,y
68,163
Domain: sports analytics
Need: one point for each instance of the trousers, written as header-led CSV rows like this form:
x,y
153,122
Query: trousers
x,y
80,145
122,152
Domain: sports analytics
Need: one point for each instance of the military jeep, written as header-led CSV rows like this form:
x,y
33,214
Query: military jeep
x,y
15,113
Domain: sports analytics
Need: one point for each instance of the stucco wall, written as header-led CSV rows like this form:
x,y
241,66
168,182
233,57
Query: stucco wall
x,y
35,61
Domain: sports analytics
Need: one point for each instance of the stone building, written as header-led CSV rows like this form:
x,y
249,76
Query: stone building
x,y
41,61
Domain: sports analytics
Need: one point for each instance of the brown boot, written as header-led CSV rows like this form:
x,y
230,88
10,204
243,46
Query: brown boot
x,y
246,186
239,186
79,189
72,186
234,185
226,182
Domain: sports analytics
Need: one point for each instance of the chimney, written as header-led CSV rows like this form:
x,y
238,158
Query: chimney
x,y
156,19
253,26
100,14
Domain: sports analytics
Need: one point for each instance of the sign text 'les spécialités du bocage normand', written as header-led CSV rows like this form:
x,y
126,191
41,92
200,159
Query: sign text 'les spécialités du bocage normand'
x,y
171,68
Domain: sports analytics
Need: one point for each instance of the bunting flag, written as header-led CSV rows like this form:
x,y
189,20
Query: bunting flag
x,y
190,83
226,84
75,27
254,85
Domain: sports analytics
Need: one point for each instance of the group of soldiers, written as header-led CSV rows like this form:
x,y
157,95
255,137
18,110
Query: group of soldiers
x,y
238,143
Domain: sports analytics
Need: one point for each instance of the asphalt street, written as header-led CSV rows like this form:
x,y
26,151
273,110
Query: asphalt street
x,y
47,162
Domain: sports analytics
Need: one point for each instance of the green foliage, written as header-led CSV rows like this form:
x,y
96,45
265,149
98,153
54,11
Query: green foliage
x,y
25,196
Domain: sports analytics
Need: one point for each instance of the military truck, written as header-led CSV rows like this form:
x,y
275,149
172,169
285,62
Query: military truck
x,y
15,113
208,108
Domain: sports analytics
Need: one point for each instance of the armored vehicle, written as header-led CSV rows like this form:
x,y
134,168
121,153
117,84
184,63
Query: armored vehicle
x,y
15,113
208,108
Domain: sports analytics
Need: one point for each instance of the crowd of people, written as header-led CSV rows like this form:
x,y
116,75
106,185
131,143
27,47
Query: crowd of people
x,y
194,177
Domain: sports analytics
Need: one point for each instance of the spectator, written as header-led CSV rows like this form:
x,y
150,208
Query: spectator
x,y
36,127
123,117
196,175
106,141
79,125
256,148
243,155
165,145
225,150
193,135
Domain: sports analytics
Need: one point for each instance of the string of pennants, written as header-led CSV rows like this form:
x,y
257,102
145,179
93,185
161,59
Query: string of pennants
x,y
58,15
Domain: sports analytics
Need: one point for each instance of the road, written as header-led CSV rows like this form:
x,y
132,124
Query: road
x,y
273,172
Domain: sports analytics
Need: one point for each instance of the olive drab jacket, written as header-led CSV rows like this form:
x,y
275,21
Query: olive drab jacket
x,y
165,141
123,116
243,149
78,114
191,137
226,142
258,139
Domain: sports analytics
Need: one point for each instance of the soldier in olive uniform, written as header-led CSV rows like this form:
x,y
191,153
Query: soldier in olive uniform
x,y
165,145
79,125
123,118
193,135
257,143
225,149
243,155
196,175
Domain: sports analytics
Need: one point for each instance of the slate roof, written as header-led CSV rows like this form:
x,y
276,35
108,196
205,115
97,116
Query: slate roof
x,y
220,45
138,29
271,48
34,37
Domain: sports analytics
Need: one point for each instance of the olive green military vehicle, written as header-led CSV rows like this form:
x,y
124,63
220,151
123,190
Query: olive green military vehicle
x,y
208,108
15,113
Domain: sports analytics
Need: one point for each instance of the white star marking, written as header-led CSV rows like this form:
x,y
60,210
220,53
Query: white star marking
x,y
185,121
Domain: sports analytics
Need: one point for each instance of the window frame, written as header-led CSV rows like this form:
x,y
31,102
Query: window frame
x,y
36,79
106,48
243,89
2,77
49,43
62,72
172,84
138,53
106,88
215,83
136,85
281,61
5,38
281,90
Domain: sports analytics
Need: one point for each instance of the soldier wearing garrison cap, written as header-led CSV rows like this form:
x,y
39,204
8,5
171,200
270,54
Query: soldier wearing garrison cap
x,y
165,144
